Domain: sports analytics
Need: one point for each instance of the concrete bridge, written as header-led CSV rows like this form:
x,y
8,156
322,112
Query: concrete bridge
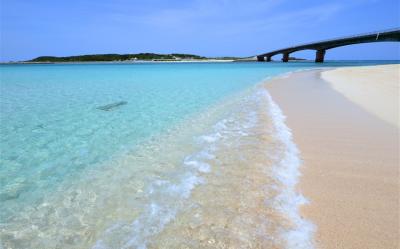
x,y
321,46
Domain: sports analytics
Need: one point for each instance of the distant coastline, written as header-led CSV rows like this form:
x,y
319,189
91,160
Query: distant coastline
x,y
135,58
119,62
125,58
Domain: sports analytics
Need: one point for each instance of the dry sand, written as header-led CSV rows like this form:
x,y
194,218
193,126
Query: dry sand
x,y
374,88
350,161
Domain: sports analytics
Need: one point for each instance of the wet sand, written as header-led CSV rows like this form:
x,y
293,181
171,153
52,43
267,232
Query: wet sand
x,y
350,163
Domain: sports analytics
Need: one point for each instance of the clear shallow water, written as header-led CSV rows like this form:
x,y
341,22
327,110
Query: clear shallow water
x,y
74,176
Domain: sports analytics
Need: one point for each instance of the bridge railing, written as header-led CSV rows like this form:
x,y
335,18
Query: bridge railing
x,y
344,37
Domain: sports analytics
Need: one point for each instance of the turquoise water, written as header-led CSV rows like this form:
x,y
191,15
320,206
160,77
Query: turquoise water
x,y
54,136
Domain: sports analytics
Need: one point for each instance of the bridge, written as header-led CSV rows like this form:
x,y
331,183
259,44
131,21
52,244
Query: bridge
x,y
321,46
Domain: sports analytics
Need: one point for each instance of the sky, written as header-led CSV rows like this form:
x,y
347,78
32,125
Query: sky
x,y
31,28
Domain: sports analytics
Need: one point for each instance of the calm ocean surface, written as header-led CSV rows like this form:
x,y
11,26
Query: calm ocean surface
x,y
149,170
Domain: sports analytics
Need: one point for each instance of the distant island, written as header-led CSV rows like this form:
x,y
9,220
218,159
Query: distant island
x,y
126,57
140,57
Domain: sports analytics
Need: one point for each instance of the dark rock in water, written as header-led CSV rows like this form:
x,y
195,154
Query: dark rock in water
x,y
9,196
112,106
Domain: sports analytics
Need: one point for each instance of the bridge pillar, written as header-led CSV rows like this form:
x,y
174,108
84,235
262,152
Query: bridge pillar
x,y
320,55
260,58
285,57
269,58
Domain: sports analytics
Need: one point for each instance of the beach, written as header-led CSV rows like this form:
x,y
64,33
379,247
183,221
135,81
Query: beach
x,y
196,124
195,156
345,123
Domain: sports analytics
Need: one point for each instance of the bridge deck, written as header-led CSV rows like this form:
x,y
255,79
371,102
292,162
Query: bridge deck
x,y
322,46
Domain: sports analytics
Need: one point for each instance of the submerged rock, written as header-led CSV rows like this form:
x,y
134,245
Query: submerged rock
x,y
112,106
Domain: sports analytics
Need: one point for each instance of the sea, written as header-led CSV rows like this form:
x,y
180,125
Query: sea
x,y
149,155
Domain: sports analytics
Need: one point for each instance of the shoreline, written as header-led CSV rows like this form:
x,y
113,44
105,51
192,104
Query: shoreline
x,y
227,138
350,160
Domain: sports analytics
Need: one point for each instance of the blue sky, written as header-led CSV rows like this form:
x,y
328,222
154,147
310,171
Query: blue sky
x,y
30,28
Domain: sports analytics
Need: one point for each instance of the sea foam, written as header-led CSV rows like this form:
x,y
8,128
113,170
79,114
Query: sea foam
x,y
167,197
286,171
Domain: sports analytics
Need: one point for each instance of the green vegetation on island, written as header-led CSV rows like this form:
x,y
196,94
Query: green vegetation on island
x,y
119,57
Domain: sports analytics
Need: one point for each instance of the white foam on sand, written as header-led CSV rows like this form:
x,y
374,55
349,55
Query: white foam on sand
x,y
168,196
286,171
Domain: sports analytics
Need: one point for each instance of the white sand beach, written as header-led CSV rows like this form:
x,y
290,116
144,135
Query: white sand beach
x,y
374,88
347,132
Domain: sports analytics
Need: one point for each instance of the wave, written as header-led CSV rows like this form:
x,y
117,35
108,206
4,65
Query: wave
x,y
167,197
286,170
225,176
